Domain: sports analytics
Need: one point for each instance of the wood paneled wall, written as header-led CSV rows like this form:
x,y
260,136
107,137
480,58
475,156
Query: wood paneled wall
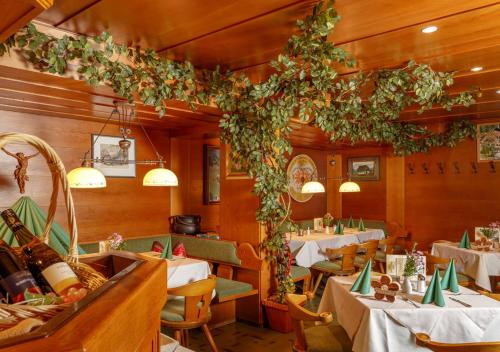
x,y
187,163
125,206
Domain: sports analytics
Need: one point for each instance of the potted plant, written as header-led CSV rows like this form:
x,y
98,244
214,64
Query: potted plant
x,y
327,221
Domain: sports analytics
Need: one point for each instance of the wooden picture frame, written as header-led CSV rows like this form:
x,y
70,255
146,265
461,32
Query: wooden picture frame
x,y
211,174
488,142
233,170
107,147
364,168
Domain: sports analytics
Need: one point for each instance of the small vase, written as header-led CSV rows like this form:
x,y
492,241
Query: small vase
x,y
421,286
406,287
327,230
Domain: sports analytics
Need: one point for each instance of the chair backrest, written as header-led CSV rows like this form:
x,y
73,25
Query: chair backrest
x,y
425,341
370,249
348,254
299,314
431,261
388,244
197,296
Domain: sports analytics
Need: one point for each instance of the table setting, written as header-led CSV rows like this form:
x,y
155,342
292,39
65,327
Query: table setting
x,y
378,316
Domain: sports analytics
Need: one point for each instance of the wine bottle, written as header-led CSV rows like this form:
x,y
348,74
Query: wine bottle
x,y
42,259
15,280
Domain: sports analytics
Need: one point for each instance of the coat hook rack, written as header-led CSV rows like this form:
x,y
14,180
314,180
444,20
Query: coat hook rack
x,y
457,167
425,167
440,166
473,164
411,167
492,167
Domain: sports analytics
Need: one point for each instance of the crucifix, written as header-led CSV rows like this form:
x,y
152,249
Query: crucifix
x,y
21,168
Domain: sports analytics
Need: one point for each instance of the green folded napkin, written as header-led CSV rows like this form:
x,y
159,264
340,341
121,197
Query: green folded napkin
x,y
464,242
434,293
449,280
361,225
338,228
363,282
167,250
350,223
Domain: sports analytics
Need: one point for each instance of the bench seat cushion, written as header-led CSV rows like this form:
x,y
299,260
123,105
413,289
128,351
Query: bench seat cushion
x,y
208,249
328,266
136,245
299,271
225,288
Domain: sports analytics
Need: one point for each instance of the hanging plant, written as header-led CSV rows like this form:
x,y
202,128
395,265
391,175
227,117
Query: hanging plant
x,y
256,116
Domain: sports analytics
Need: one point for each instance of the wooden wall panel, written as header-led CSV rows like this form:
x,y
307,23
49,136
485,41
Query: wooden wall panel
x,y
333,182
395,190
442,206
370,203
125,206
187,163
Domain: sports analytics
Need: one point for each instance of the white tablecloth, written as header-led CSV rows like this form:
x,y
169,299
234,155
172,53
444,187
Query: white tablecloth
x,y
310,249
479,265
379,326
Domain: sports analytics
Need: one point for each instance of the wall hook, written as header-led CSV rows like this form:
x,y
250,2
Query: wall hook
x,y
457,167
411,167
440,166
473,164
492,167
425,166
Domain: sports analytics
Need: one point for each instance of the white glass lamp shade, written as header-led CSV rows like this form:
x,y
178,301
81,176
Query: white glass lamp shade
x,y
349,186
160,177
313,187
86,177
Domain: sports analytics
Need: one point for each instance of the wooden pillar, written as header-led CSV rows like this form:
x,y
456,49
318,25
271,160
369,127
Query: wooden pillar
x,y
395,190
333,181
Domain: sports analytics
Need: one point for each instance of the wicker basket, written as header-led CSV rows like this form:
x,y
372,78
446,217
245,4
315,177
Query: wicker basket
x,y
12,315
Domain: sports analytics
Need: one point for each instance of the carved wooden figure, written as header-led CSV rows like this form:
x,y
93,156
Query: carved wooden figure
x,y
20,174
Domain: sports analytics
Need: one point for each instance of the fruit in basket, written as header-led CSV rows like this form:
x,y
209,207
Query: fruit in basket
x,y
74,295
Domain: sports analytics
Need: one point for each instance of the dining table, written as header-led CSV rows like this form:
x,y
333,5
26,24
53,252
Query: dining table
x,y
380,325
311,248
479,265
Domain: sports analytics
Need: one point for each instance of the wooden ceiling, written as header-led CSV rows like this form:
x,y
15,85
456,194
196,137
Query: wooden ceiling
x,y
245,35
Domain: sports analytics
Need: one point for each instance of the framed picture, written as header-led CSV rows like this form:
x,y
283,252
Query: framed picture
x,y
211,174
108,148
488,142
234,170
364,169
318,224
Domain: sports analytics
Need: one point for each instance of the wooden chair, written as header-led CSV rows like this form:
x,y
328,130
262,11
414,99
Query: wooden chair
x,y
424,340
334,266
366,251
385,246
300,273
191,312
495,296
327,337
432,262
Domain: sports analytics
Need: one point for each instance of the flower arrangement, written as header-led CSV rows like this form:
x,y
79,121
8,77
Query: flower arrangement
x,y
116,242
414,263
328,219
491,230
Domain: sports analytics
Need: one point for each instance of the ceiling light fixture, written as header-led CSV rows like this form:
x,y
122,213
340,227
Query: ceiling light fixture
x,y
498,91
88,177
430,29
476,68
317,187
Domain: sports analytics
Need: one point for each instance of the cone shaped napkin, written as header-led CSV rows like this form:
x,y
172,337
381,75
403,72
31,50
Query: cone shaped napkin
x,y
449,280
363,282
361,225
338,228
350,223
464,242
434,293
167,250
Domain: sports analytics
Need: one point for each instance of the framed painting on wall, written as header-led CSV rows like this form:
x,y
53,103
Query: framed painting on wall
x,y
364,168
234,170
211,174
301,169
108,148
488,142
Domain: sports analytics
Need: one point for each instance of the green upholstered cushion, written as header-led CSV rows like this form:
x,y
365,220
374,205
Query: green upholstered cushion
x,y
136,245
369,224
304,224
299,271
327,338
380,256
90,247
216,250
225,288
460,277
327,265
359,261
173,310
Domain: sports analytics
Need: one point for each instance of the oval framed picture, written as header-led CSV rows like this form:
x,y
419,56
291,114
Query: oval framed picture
x,y
301,169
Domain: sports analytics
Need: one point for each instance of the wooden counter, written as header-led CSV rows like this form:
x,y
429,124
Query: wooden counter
x,y
124,318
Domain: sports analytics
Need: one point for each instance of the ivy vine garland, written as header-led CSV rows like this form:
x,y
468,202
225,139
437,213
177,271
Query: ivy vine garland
x,y
256,116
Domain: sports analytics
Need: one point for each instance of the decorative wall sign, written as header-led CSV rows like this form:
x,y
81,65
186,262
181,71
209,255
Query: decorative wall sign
x,y
488,142
300,170
234,170
108,148
364,169
211,174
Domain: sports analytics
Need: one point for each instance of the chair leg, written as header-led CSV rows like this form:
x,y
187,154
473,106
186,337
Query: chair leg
x,y
209,337
178,336
381,267
185,336
316,285
306,284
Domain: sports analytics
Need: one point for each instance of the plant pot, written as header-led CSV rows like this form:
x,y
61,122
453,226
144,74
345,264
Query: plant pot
x,y
277,316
